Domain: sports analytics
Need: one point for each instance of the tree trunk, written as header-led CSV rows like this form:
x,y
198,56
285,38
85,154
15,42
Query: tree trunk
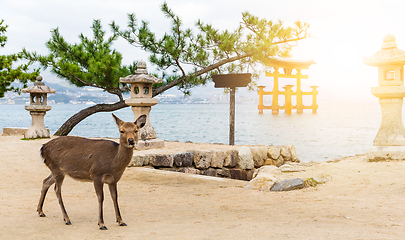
x,y
68,126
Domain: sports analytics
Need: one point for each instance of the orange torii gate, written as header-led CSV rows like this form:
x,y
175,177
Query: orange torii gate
x,y
287,66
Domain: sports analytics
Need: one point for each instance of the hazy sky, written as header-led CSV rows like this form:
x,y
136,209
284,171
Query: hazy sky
x,y
343,32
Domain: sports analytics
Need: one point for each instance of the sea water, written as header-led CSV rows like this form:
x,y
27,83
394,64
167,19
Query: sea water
x,y
337,130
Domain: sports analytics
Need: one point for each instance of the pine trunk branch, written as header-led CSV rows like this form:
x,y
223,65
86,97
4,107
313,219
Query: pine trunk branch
x,y
68,126
167,86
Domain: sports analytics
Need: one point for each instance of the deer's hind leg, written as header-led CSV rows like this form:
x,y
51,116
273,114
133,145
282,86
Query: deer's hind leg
x,y
98,186
45,186
59,177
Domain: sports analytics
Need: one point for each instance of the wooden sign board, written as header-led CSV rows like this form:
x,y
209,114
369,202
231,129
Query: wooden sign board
x,y
232,80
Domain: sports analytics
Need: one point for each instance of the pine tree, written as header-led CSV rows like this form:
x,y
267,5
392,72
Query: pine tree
x,y
92,62
9,74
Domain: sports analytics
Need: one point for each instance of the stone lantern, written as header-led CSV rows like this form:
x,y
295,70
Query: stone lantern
x,y
38,108
389,144
141,102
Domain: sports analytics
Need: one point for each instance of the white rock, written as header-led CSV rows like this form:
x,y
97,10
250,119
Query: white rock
x,y
293,151
285,152
266,170
273,152
261,183
264,178
259,155
245,158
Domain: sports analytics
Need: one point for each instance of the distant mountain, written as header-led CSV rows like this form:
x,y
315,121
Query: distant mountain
x,y
60,88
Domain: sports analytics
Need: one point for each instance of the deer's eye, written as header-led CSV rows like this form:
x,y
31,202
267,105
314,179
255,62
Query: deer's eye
x,y
121,131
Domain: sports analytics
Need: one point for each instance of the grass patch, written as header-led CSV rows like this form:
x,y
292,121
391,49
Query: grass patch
x,y
310,182
38,138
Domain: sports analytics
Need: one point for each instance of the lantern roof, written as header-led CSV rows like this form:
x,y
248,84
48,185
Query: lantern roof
x,y
388,55
141,75
39,87
288,63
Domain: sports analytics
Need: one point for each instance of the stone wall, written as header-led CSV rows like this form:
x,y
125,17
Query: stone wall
x,y
239,163
14,131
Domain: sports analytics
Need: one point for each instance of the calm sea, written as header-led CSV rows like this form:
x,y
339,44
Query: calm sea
x,y
337,130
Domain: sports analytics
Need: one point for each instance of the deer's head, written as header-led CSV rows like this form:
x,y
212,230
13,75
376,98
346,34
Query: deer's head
x,y
129,130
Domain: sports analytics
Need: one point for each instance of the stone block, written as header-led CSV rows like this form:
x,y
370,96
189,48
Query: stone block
x,y
279,161
245,158
269,162
218,158
249,174
294,157
273,152
162,160
238,174
259,155
224,172
231,159
139,161
286,153
184,159
190,170
202,159
288,185
209,172
152,159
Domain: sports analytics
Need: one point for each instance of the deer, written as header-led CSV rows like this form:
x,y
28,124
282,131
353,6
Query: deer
x,y
94,160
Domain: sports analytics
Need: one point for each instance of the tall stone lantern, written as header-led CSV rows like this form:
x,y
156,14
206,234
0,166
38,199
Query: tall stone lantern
x,y
389,144
38,108
141,102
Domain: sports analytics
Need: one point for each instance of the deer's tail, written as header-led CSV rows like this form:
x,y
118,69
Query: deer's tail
x,y
41,153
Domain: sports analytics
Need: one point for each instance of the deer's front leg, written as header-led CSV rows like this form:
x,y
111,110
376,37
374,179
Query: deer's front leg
x,y
98,186
114,196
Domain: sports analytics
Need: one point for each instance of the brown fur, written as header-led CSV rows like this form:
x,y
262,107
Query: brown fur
x,y
97,161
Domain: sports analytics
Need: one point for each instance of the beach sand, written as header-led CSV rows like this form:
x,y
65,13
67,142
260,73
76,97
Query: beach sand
x,y
363,201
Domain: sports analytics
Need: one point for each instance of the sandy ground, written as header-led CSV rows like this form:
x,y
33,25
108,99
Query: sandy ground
x,y
363,201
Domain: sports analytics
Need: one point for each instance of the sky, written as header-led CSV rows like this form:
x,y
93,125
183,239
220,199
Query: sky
x,y
342,32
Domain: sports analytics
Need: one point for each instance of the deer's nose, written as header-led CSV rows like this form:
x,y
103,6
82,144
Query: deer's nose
x,y
131,141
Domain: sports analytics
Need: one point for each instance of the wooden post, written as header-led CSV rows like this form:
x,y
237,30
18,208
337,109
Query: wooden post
x,y
300,105
288,93
261,93
232,116
274,104
314,93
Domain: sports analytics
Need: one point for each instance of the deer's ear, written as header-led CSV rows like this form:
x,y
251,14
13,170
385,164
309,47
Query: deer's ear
x,y
141,121
118,121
